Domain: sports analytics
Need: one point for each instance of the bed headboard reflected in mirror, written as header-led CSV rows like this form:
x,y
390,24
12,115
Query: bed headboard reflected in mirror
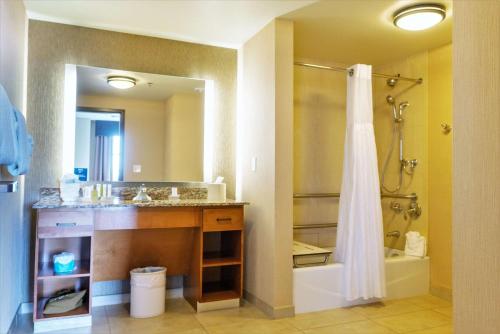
x,y
134,127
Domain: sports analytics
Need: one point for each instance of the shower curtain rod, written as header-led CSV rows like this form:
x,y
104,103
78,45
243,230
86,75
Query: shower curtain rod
x,y
351,72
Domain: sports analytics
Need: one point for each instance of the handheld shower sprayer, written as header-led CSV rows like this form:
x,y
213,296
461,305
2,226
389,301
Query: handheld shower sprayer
x,y
398,115
407,166
392,102
403,106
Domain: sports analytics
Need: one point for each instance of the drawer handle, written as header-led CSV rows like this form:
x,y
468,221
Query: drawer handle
x,y
65,224
226,220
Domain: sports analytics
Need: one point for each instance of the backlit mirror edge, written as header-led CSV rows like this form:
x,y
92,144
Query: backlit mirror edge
x,y
69,119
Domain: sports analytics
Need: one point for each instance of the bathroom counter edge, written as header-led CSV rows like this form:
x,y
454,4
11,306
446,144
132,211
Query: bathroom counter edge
x,y
53,203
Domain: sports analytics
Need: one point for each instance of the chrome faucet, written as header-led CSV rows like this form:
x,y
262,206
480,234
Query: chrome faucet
x,y
414,211
396,207
393,234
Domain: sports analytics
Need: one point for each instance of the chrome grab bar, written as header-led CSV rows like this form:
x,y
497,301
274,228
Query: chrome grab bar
x,y
312,195
412,196
303,226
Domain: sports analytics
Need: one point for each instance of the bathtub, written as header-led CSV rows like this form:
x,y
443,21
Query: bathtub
x,y
318,287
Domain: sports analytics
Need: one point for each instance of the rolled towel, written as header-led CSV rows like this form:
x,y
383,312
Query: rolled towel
x,y
24,143
416,244
8,147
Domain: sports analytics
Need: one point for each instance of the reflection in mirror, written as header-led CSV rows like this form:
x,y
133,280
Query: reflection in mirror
x,y
134,126
99,138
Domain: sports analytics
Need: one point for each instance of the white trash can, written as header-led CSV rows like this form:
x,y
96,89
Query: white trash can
x,y
147,291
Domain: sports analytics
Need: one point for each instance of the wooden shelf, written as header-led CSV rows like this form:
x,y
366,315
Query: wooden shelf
x,y
221,261
46,271
219,295
78,312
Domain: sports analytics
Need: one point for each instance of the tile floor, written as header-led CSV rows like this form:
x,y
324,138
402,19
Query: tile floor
x,y
419,315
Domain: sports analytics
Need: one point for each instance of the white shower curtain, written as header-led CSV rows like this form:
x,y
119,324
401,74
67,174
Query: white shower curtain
x,y
102,159
360,243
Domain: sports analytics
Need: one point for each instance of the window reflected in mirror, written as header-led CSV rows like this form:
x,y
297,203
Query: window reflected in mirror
x,y
99,138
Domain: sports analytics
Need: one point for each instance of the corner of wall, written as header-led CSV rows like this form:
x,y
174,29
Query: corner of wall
x,y
266,93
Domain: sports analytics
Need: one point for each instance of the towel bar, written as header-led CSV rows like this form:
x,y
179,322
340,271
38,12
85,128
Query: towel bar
x,y
304,226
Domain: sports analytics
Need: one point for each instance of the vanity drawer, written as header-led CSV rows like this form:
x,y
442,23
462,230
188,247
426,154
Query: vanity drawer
x,y
65,223
225,219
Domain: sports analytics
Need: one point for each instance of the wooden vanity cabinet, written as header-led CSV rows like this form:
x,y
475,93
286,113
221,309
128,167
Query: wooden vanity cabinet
x,y
222,261
204,244
57,231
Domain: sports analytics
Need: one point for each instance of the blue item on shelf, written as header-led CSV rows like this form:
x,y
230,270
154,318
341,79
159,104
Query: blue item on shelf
x,y
64,263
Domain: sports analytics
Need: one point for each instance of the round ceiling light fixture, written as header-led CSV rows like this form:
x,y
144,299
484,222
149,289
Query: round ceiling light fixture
x,y
419,17
121,82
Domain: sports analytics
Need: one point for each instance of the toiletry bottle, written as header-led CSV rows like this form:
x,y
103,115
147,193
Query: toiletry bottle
x,y
93,194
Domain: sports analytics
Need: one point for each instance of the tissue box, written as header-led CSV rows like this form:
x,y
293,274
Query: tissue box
x,y
70,191
216,192
64,263
69,188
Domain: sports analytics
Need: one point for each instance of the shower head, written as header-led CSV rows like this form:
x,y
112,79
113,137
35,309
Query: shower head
x,y
390,99
403,106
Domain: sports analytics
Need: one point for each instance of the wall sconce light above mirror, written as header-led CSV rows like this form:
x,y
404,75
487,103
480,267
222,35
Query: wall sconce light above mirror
x,y
162,125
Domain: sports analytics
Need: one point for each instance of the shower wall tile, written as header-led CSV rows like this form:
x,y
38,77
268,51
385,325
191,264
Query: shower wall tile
x,y
308,238
327,238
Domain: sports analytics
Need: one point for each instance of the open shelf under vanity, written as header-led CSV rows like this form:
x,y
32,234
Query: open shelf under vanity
x,y
222,258
48,283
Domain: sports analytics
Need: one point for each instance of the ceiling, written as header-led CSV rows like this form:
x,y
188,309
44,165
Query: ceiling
x,y
327,31
361,31
225,23
93,81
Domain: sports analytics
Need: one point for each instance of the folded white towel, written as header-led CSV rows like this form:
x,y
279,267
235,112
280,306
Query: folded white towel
x,y
8,147
24,143
416,244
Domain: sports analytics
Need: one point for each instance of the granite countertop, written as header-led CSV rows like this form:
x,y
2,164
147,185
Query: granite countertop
x,y
57,203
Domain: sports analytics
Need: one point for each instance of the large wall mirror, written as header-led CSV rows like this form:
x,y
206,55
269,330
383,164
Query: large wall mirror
x,y
131,126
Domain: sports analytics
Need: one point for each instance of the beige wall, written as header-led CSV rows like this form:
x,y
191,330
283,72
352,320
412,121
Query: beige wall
x,y
14,240
183,140
440,155
476,172
265,125
83,128
144,133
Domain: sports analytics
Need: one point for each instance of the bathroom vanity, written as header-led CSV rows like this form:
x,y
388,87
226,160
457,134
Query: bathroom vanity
x,y
199,239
